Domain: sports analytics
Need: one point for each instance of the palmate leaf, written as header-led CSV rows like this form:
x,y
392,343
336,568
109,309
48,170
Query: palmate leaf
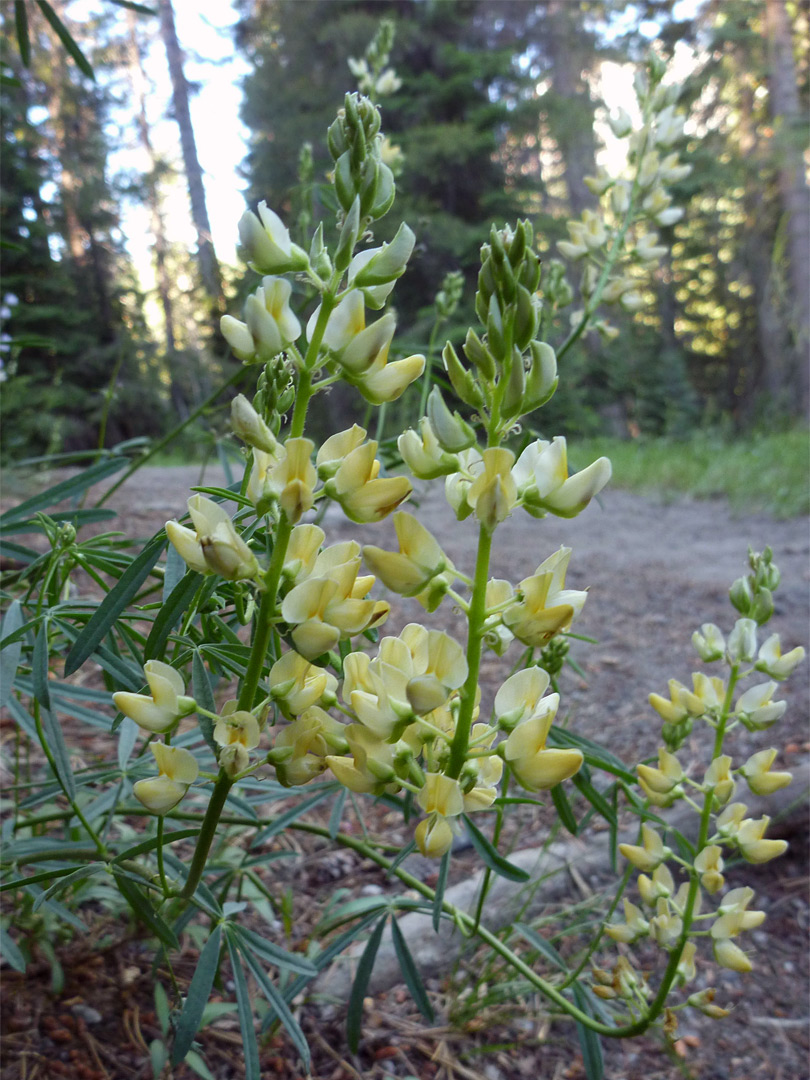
x,y
114,603
199,991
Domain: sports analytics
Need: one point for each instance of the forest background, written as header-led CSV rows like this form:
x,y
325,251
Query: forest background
x,y
109,316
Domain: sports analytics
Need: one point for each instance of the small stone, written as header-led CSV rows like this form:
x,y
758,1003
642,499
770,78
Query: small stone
x,y
371,890
88,1014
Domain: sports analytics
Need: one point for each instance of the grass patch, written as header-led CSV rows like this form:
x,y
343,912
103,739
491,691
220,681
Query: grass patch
x,y
757,474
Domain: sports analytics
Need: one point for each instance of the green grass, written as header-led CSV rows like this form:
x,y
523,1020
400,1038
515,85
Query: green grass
x,y
757,473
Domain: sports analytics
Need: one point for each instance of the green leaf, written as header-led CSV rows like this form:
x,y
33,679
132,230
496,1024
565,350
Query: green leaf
x,y
39,666
595,754
545,948
162,1009
78,875
441,885
10,655
46,875
337,813
354,1017
173,571
10,951
281,1008
144,910
58,748
563,808
295,812
597,801
589,1041
127,737
151,844
195,1062
169,615
199,991
244,1010
76,485
64,36
410,973
21,25
204,696
114,603
491,857
274,954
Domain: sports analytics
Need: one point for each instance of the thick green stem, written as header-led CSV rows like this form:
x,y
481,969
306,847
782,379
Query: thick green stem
x,y
206,837
475,640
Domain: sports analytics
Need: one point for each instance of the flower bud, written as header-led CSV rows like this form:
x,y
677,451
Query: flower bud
x,y
621,125
708,642
541,380
742,642
452,432
249,426
741,595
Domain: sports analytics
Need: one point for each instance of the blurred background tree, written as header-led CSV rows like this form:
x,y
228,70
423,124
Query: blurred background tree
x,y
494,118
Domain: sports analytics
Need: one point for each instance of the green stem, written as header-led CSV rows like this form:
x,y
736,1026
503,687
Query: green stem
x,y
496,835
237,376
476,617
100,848
161,868
206,837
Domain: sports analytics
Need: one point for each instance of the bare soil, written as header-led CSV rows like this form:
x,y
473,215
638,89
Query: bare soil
x,y
655,570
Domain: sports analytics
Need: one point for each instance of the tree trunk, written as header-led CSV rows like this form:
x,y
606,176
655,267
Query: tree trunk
x,y
209,267
158,224
790,122
569,47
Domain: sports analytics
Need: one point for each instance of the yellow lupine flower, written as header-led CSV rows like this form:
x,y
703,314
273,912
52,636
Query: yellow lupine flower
x,y
520,698
434,836
662,786
178,769
649,854
371,765
363,495
302,551
753,846
673,711
215,539
634,925
419,560
422,453
544,606
493,493
756,708
311,737
660,884
708,693
387,380
237,733
336,449
167,704
535,767
541,474
294,478
325,610
441,794
758,775
774,662
718,777
296,684
709,864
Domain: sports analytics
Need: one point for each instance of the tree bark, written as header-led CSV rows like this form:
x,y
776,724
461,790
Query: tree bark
x,y
789,122
575,137
158,224
209,267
